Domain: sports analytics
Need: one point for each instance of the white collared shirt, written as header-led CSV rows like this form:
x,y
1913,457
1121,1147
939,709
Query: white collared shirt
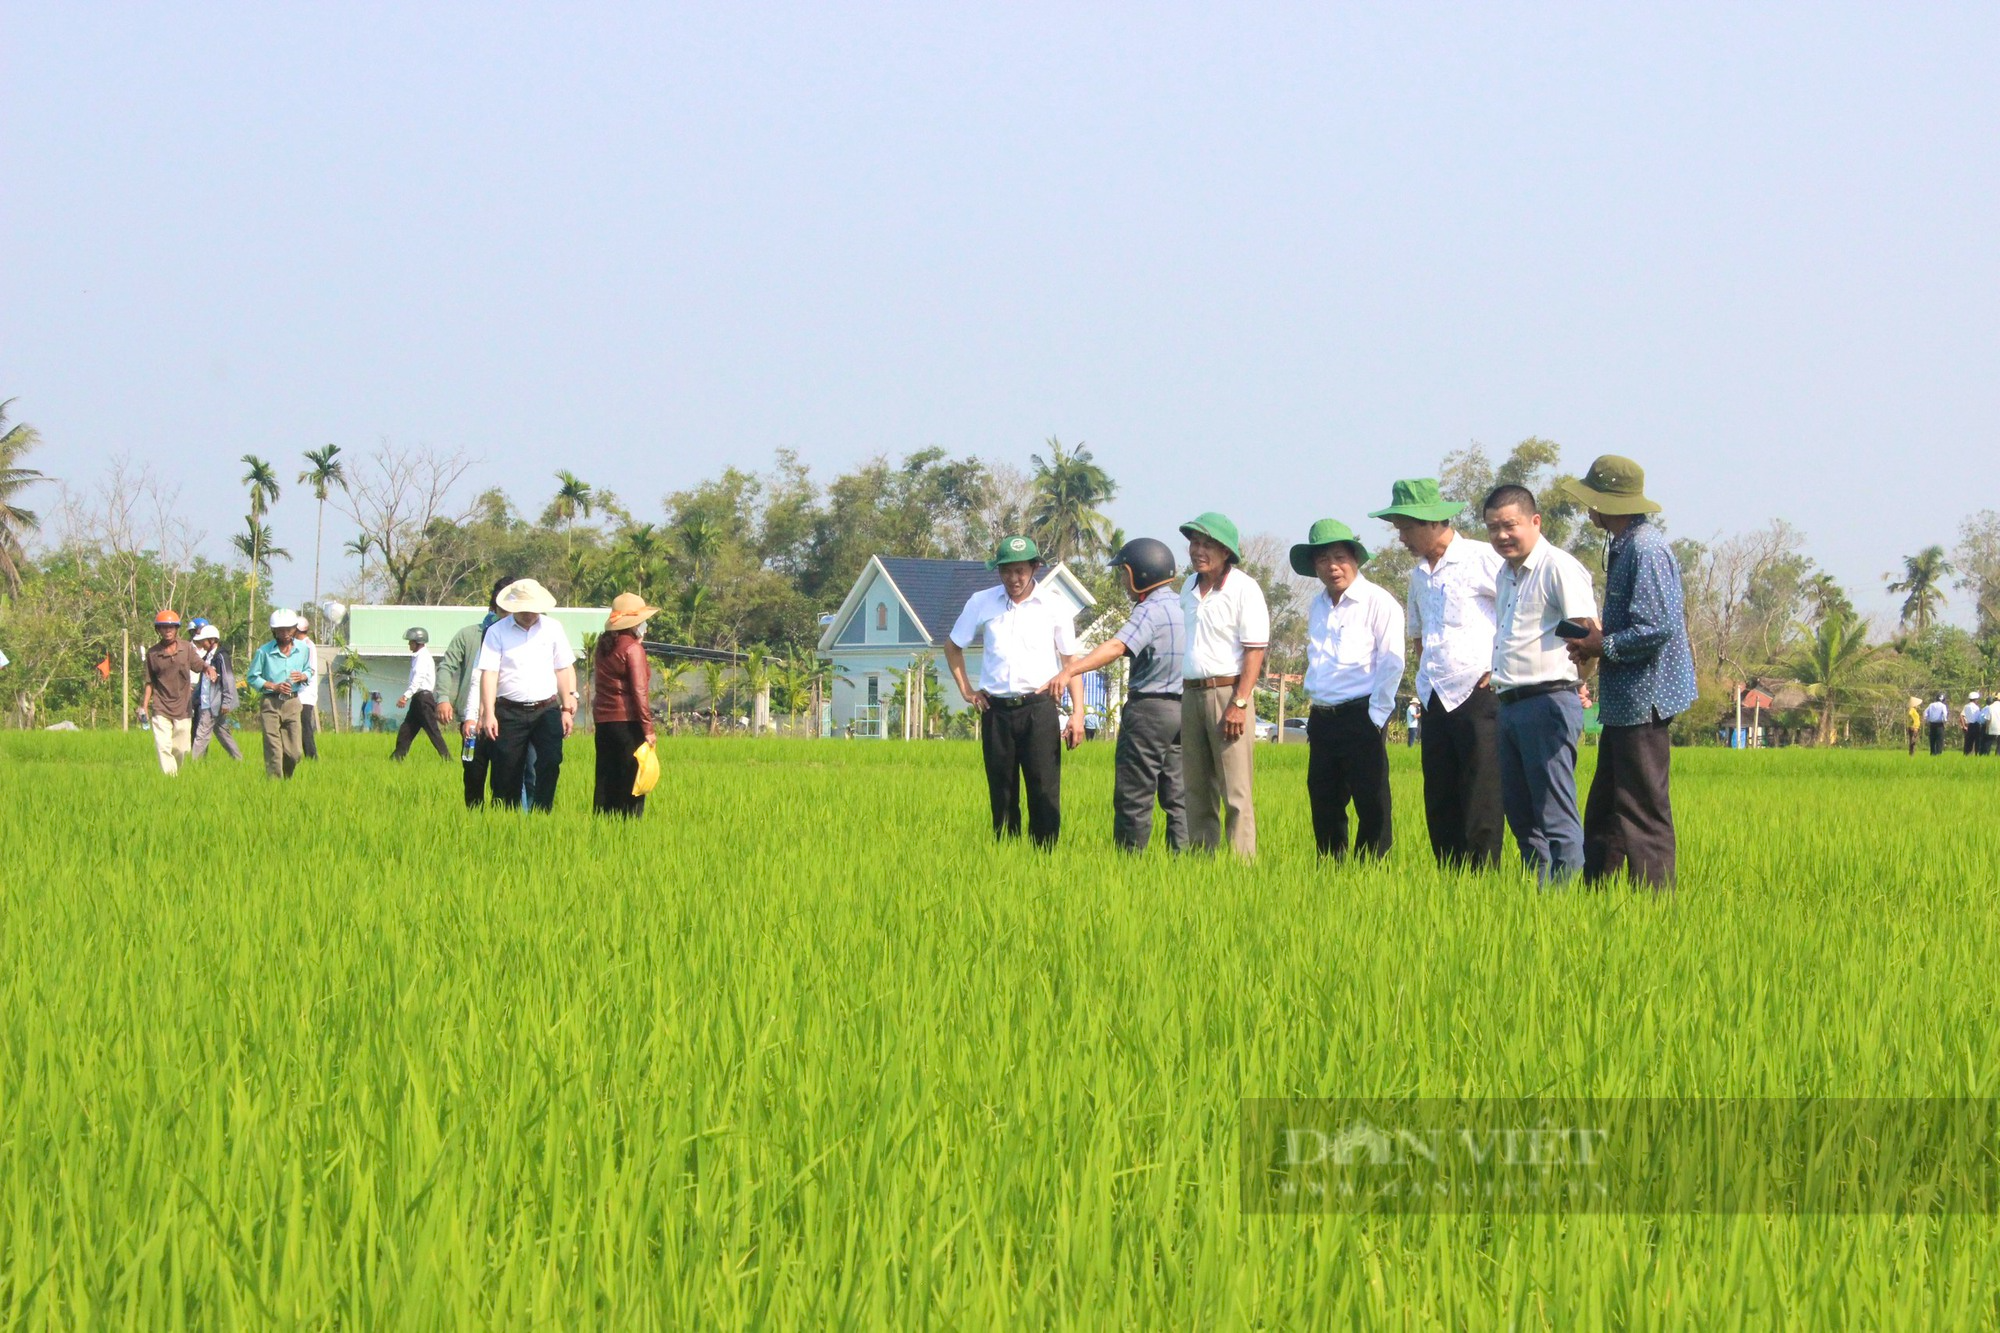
x,y
1025,641
423,672
1550,586
1935,711
1354,648
1454,610
526,660
1222,624
1970,713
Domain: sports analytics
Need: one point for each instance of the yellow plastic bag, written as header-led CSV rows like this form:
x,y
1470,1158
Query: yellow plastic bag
x,y
649,769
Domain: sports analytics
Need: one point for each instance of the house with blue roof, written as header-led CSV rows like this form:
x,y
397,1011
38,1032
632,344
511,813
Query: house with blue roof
x,y
901,607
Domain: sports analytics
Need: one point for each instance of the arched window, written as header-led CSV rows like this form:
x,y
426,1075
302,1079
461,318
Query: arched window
x,y
881,615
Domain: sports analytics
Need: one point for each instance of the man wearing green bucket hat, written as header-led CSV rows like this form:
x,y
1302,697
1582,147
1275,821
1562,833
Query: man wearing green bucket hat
x,y
1453,612
1647,678
1354,664
1229,631
1029,636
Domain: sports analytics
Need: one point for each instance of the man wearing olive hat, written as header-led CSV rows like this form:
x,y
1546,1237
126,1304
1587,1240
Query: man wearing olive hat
x,y
1229,632
1646,679
1453,611
1029,637
1354,664
1148,764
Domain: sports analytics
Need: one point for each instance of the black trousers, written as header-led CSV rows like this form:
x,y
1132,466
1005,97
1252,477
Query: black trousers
x,y
1149,768
1023,747
1349,761
1462,780
1628,820
1972,740
617,769
423,716
524,727
1937,736
308,729
475,773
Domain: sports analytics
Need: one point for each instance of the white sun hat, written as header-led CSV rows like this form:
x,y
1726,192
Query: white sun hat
x,y
526,595
284,618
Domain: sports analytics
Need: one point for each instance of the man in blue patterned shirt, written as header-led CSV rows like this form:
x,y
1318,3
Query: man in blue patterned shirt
x,y
1646,680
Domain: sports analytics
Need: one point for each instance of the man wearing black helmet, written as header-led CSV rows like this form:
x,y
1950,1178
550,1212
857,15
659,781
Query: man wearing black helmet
x,y
1149,728
420,699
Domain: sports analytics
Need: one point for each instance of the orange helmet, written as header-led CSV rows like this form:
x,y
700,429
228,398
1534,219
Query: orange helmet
x,y
166,615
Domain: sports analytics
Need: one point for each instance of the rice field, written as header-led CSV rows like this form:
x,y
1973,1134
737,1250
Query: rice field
x,y
804,1049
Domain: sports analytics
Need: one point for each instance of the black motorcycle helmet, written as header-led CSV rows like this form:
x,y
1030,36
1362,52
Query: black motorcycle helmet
x,y
1147,563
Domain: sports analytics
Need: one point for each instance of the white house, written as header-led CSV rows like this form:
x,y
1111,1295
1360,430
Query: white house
x,y
899,607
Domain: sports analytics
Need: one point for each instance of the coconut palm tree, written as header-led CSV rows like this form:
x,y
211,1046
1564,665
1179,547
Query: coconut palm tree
x,y
1835,662
575,498
262,481
1064,518
323,476
1923,587
15,522
254,544
668,675
640,551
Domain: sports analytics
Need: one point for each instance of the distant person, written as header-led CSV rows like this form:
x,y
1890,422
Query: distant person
x,y
419,701
1645,680
308,692
1147,762
1935,714
458,696
1354,664
621,707
371,704
1412,725
1229,633
172,667
1989,718
1916,721
278,670
1968,721
1452,612
215,695
1541,715
527,691
1029,636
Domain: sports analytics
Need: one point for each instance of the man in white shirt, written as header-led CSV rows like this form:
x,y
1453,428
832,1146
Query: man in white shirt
x,y
1935,714
309,692
420,697
527,691
1968,718
1229,632
1453,611
1989,720
1029,636
1541,717
1354,664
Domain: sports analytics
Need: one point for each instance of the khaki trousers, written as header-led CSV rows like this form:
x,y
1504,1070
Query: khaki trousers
x,y
1218,773
172,737
279,719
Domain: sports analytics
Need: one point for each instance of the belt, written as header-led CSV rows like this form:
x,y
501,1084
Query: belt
x,y
1209,682
1142,696
1537,690
516,705
1015,700
1342,706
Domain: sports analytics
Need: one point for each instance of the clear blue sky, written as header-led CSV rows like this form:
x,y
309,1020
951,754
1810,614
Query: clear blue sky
x,y
1260,259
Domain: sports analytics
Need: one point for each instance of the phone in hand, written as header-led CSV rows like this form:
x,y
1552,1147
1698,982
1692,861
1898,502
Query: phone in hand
x,y
1572,629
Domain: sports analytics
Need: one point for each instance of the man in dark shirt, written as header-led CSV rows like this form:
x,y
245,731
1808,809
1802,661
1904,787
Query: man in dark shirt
x,y
172,665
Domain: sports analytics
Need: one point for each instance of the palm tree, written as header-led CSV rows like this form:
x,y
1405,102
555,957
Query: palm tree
x,y
263,484
325,473
711,679
1833,663
15,522
1827,598
573,499
639,551
254,544
1068,488
1923,585
668,675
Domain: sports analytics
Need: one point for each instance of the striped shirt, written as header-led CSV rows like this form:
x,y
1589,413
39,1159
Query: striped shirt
x,y
1156,637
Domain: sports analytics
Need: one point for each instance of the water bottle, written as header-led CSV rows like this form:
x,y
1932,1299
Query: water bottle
x,y
465,750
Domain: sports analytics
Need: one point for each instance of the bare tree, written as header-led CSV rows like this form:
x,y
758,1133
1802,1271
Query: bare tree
x,y
127,514
403,501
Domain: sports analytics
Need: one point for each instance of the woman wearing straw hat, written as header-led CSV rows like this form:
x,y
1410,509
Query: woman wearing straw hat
x,y
527,691
620,704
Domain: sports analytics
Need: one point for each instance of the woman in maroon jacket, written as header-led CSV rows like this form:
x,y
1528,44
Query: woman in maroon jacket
x,y
620,707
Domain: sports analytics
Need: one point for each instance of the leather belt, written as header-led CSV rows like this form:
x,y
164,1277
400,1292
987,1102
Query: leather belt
x,y
516,705
1209,682
1143,696
1342,706
1015,700
1537,690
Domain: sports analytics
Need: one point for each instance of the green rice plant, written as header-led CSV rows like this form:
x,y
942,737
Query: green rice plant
x,y
803,1048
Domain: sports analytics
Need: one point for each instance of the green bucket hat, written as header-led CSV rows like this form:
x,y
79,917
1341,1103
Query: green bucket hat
x,y
1613,485
1418,498
1216,527
1324,533
1013,550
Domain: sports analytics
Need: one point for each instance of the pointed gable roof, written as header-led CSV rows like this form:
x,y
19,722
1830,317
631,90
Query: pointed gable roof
x,y
932,591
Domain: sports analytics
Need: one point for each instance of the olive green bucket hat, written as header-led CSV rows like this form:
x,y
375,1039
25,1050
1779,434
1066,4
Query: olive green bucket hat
x,y
1216,527
1325,533
1418,498
1013,550
1613,485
